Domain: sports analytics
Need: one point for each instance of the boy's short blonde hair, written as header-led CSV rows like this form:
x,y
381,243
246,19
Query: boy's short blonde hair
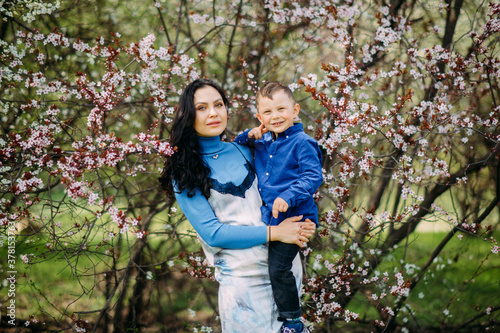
x,y
270,88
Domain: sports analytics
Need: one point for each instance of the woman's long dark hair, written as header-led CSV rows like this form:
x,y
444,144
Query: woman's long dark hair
x,y
186,166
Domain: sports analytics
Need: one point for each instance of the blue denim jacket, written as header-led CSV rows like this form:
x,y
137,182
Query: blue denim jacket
x,y
289,167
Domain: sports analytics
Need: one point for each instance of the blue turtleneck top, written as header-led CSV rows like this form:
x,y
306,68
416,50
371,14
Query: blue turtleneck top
x,y
229,166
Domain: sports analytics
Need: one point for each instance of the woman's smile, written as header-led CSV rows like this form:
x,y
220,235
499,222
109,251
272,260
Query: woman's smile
x,y
214,123
211,112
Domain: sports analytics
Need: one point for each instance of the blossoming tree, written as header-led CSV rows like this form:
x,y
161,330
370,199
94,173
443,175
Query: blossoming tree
x,y
401,95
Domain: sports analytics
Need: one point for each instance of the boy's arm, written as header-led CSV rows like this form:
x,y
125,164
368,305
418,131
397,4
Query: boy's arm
x,y
310,174
243,139
248,137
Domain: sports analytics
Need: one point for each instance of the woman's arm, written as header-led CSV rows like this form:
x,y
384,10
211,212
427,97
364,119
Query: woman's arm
x,y
291,231
201,216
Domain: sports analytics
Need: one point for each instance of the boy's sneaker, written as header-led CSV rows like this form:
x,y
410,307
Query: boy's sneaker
x,y
297,328
293,330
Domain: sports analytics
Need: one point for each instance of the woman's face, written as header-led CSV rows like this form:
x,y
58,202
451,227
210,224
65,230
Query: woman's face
x,y
211,113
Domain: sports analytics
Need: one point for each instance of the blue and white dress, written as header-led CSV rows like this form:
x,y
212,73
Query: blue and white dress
x,y
239,253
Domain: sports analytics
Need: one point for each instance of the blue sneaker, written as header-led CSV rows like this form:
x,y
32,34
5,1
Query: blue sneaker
x,y
294,327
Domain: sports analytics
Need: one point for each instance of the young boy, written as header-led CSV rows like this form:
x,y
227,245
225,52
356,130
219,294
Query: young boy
x,y
289,168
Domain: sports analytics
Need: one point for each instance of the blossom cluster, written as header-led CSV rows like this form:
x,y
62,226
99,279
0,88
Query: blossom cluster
x,y
35,152
30,9
197,266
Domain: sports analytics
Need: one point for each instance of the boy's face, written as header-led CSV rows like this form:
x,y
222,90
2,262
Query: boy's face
x,y
277,114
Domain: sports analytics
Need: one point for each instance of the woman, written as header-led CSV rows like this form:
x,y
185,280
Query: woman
x,y
216,188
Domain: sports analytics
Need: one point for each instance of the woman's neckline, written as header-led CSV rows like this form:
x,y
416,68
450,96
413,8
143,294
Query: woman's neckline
x,y
210,145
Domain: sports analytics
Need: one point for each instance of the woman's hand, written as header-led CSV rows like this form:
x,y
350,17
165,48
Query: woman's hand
x,y
293,232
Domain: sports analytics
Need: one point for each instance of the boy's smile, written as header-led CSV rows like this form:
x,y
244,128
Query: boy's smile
x,y
277,114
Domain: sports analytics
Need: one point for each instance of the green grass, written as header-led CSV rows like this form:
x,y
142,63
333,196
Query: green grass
x,y
68,280
51,288
464,280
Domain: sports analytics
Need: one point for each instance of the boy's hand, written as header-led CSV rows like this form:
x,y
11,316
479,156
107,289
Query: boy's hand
x,y
279,205
257,132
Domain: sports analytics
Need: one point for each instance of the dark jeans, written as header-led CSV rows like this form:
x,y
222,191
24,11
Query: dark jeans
x,y
285,291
